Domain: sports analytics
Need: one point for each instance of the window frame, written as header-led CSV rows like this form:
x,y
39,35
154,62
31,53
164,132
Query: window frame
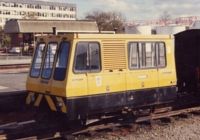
x,y
87,71
42,60
165,50
50,76
156,55
56,59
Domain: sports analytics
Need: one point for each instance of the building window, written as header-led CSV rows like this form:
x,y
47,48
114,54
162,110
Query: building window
x,y
30,6
65,8
52,8
72,16
72,9
22,13
147,55
6,12
5,4
12,5
53,15
15,5
60,8
87,57
38,6
66,16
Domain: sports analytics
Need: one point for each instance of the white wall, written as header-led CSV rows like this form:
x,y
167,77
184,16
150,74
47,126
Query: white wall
x,y
146,30
15,13
169,29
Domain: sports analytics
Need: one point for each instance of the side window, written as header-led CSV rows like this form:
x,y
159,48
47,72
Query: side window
x,y
150,55
49,60
37,61
142,55
161,54
147,55
94,57
82,57
133,56
62,61
87,57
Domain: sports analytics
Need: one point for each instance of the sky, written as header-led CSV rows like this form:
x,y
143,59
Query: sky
x,y
138,9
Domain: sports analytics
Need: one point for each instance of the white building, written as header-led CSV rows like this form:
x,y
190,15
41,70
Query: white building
x,y
170,29
195,25
29,9
145,30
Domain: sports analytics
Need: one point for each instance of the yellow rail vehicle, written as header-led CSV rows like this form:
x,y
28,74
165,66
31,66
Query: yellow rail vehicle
x,y
86,74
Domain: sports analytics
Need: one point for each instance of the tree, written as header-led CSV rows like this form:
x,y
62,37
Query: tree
x,y
165,17
107,21
1,37
5,39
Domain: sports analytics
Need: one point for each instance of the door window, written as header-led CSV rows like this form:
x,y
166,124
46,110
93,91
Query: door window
x,y
87,57
94,55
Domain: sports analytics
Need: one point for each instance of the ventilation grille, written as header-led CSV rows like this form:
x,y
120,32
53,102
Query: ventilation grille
x,y
114,54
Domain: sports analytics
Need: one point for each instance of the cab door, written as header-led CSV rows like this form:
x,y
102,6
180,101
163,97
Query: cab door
x,y
166,65
77,84
88,68
94,75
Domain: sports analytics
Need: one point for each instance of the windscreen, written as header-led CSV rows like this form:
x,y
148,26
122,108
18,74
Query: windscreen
x,y
49,60
37,61
62,61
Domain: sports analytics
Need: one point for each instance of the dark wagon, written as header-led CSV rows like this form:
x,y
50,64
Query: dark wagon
x,y
187,54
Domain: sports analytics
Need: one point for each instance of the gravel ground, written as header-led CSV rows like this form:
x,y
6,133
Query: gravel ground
x,y
179,128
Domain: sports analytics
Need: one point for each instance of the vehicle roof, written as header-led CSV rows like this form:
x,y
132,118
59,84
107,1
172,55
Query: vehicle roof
x,y
113,36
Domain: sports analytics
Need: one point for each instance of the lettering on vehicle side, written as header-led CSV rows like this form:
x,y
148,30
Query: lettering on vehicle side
x,y
44,81
79,79
98,81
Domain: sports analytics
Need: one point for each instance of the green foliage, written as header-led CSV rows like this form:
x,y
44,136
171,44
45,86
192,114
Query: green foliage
x,y
107,21
5,39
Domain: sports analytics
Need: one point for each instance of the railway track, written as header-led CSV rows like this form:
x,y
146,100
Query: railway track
x,y
50,129
14,66
31,124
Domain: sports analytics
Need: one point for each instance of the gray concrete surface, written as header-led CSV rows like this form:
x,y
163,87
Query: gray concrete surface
x,y
14,59
11,82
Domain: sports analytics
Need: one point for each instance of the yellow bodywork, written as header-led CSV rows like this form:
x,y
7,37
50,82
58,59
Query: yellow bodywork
x,y
115,75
